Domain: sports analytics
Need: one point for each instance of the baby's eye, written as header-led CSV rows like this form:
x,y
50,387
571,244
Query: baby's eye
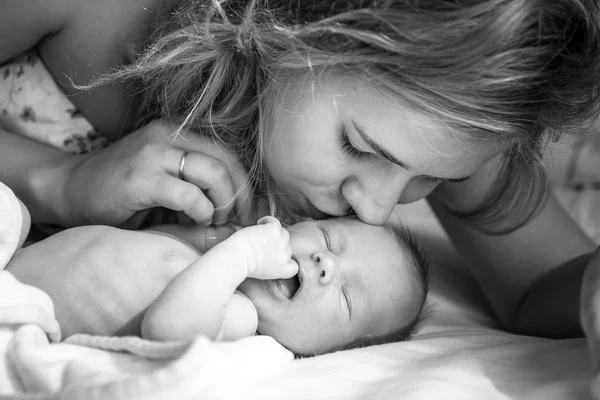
x,y
348,302
326,237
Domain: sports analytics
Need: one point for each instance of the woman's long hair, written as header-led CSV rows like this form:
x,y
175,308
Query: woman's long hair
x,y
513,72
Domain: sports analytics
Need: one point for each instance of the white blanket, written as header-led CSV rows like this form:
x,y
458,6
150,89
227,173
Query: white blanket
x,y
458,355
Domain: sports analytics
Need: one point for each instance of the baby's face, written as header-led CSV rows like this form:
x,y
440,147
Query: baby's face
x,y
354,281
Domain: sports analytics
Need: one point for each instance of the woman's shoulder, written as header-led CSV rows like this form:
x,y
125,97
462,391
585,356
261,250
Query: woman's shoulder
x,y
113,20
26,23
95,38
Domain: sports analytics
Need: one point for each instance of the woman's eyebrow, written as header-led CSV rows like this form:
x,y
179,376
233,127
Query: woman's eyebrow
x,y
376,147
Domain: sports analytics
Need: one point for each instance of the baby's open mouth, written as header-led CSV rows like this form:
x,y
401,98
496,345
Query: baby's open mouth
x,y
288,287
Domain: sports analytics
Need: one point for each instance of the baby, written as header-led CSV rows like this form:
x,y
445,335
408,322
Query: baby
x,y
316,287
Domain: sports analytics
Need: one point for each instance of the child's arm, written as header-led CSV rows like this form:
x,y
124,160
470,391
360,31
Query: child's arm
x,y
240,320
197,300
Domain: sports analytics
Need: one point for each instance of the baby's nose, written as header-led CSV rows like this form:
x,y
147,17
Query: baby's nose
x,y
325,267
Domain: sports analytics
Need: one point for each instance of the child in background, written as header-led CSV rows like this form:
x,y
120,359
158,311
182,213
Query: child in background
x,y
316,287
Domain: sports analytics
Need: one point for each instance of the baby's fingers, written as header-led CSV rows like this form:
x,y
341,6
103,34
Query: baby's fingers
x,y
289,269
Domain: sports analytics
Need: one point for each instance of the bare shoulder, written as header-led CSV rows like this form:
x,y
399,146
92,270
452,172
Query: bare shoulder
x,y
95,38
25,23
107,19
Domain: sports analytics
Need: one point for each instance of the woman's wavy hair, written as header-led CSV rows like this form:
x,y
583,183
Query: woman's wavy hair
x,y
515,72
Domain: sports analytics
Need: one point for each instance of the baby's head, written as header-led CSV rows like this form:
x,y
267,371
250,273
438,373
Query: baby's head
x,y
357,285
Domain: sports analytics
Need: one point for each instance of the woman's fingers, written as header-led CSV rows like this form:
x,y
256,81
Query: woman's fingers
x,y
178,195
192,142
225,186
212,176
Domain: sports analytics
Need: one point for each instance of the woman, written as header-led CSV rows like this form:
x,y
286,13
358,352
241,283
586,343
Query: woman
x,y
344,107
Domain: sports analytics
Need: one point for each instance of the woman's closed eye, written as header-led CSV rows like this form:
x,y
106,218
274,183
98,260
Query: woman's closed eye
x,y
349,149
429,179
433,179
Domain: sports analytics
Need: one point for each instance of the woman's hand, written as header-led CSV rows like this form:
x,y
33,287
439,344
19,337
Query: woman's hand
x,y
142,171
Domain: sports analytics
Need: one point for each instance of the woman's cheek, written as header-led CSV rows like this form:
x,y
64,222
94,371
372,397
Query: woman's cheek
x,y
417,191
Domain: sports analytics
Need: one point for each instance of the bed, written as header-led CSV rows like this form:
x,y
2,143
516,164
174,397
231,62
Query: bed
x,y
458,352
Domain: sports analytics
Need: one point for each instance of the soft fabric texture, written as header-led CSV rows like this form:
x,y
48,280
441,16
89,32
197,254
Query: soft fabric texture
x,y
32,105
11,224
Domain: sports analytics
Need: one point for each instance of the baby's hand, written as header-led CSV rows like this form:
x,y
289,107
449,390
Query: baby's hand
x,y
270,256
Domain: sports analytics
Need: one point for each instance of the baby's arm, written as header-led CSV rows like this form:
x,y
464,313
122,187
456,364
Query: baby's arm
x,y
201,299
240,320
196,300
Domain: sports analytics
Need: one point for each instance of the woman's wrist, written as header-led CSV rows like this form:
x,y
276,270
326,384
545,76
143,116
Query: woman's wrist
x,y
46,187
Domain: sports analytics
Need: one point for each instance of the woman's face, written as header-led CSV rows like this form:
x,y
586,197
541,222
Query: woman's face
x,y
339,145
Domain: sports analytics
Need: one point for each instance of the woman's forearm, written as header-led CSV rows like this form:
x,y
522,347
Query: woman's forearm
x,y
195,301
554,300
528,272
36,173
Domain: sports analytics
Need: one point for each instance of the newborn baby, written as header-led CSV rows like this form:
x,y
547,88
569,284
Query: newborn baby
x,y
316,287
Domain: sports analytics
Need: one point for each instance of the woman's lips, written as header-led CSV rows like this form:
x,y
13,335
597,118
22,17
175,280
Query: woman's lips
x,y
315,213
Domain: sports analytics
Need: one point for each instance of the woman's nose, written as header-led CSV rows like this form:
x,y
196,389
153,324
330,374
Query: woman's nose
x,y
325,267
373,197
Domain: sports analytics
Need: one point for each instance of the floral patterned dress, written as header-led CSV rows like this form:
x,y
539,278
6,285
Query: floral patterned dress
x,y
32,105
